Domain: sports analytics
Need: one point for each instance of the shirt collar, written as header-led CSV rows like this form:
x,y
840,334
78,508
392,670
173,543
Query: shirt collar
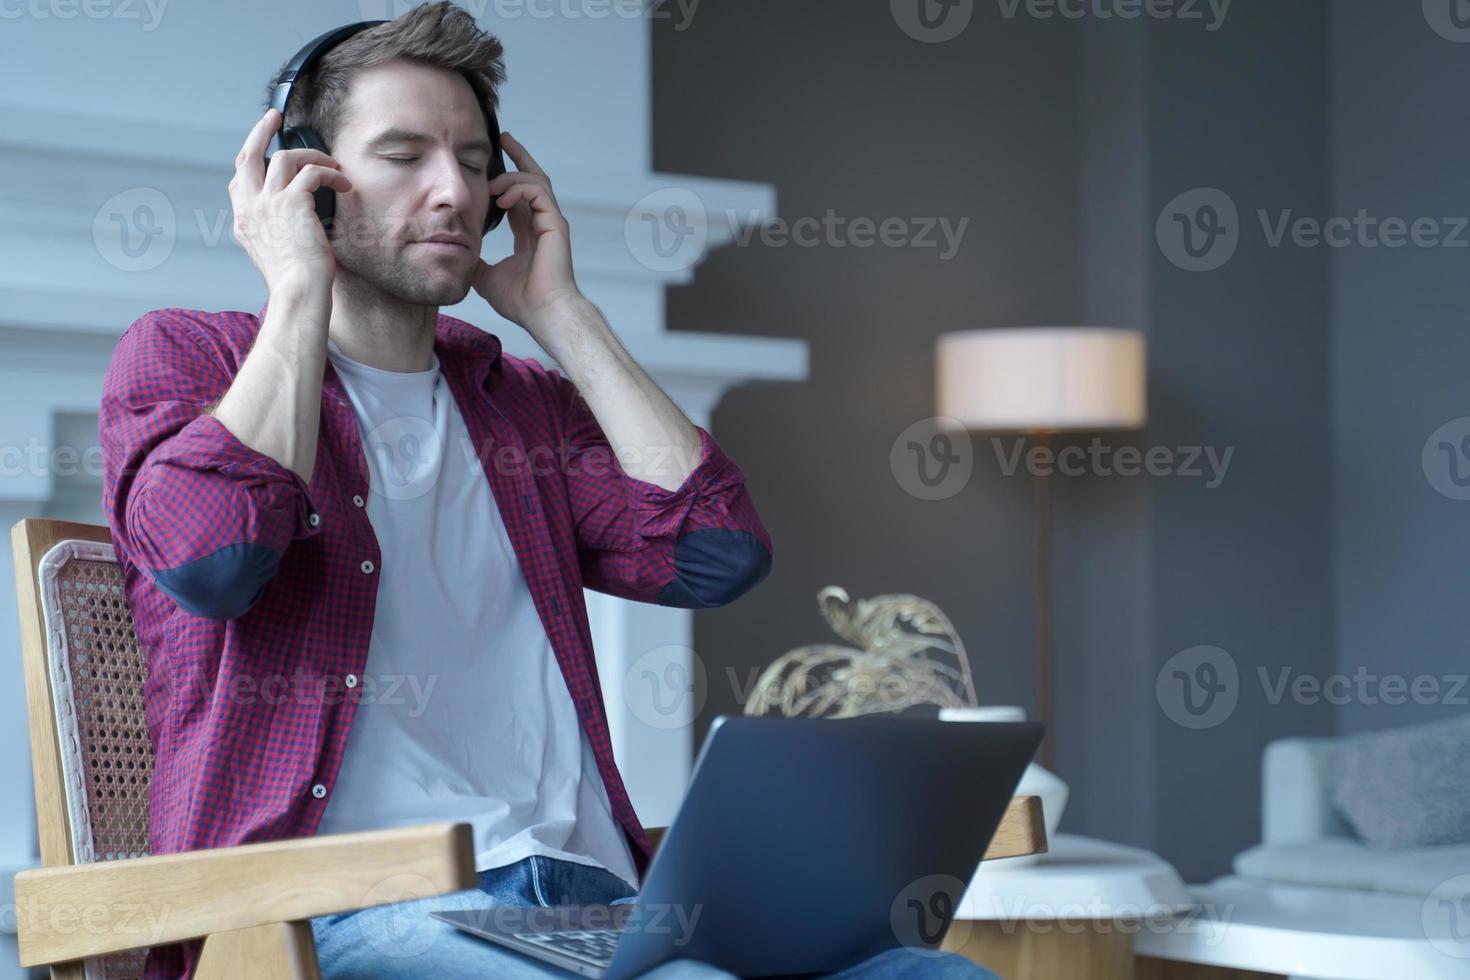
x,y
457,343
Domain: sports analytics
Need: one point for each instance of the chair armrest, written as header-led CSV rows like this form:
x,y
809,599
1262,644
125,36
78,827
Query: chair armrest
x,y
76,911
1296,803
1021,831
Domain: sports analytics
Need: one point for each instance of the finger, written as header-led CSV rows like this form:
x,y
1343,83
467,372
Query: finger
x,y
286,164
519,216
250,161
519,155
312,176
544,213
502,182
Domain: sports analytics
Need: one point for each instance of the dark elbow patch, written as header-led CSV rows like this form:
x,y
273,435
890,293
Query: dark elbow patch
x,y
223,584
714,567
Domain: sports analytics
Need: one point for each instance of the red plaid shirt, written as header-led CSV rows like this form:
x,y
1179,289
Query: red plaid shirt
x,y
253,592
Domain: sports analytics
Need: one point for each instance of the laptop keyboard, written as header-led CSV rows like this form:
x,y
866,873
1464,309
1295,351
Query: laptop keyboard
x,y
594,945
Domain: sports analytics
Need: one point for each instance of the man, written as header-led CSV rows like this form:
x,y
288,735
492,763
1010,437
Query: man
x,y
352,493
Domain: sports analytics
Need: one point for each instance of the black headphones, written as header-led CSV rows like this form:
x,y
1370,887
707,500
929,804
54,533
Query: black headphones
x,y
306,138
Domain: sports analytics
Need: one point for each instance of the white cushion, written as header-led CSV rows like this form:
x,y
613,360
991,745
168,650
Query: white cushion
x,y
1341,863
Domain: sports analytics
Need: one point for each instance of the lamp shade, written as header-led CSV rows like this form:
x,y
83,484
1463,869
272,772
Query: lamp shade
x,y
1043,379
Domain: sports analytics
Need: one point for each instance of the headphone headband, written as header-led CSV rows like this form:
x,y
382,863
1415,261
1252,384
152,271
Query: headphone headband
x,y
305,59
293,137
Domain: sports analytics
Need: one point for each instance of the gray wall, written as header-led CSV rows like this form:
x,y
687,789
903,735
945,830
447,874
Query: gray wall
x,y
1399,351
1062,141
841,110
1240,358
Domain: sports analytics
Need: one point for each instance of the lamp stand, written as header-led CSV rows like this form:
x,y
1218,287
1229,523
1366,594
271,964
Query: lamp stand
x,y
1045,666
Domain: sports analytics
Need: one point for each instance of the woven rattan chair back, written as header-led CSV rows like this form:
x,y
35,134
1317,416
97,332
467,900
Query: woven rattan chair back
x,y
96,676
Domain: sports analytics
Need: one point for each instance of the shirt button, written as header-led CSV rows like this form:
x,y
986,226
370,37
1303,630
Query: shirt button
x,y
319,791
367,568
314,520
351,680
357,499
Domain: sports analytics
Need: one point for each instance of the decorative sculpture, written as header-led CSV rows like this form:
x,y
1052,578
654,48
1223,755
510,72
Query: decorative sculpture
x,y
906,653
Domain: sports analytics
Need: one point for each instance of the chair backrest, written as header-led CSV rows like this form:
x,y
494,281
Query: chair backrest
x,y
84,677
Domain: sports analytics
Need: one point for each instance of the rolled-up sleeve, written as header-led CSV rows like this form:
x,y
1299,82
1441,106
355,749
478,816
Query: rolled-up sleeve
x,y
204,516
697,546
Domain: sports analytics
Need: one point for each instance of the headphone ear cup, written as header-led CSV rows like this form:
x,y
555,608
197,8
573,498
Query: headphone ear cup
x,y
497,167
306,138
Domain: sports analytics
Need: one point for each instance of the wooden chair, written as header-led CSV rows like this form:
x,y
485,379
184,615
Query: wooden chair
x,y
99,900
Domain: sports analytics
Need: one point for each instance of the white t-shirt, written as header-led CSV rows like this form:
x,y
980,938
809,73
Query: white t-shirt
x,y
464,714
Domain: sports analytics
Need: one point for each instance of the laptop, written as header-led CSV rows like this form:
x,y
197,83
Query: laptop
x,y
804,845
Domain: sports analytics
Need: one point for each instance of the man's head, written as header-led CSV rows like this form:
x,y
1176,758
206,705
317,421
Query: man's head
x,y
402,107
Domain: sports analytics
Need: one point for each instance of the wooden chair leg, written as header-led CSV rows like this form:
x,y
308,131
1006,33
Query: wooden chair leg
x,y
280,949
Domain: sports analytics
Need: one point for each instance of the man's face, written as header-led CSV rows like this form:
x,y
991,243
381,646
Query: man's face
x,y
413,142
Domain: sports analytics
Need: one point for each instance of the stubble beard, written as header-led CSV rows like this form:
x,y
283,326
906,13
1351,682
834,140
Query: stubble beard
x,y
423,279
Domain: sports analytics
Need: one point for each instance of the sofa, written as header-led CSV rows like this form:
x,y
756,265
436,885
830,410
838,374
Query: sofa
x,y
1307,841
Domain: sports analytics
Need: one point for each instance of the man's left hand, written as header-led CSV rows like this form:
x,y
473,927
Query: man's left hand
x,y
527,286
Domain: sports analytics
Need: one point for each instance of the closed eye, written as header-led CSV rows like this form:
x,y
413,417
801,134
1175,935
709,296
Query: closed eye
x,y
471,168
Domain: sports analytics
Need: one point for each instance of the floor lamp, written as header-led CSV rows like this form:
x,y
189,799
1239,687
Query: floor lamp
x,y
1040,381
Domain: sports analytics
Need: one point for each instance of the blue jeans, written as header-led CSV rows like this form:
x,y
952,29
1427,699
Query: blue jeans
x,y
387,942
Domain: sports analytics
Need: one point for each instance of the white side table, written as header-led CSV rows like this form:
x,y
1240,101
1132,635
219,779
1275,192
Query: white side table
x,y
1298,931
1074,912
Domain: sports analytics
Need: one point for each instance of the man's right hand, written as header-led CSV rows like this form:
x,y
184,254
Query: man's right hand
x,y
275,213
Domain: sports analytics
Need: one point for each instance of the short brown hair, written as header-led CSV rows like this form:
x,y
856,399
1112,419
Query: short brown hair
x,y
438,34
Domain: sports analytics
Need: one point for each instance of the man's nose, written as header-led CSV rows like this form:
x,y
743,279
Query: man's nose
x,y
451,184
